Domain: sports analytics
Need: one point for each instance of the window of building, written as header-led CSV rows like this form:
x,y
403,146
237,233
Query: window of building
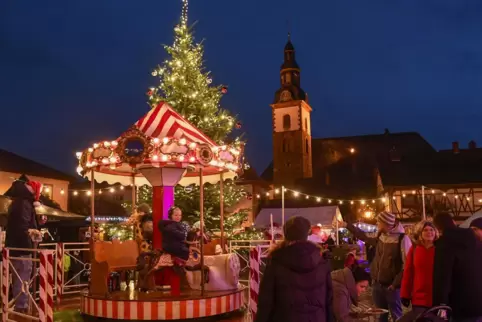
x,y
286,145
48,190
286,122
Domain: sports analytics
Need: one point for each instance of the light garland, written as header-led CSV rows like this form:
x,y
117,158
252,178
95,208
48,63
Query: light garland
x,y
118,219
299,195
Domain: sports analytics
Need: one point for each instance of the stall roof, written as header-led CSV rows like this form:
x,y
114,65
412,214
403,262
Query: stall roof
x,y
466,223
324,216
55,214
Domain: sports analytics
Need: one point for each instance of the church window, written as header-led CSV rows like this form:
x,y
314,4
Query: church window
x,y
286,122
286,145
307,146
288,78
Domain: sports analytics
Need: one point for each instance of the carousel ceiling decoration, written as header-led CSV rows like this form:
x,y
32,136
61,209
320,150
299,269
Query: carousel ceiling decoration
x,y
161,138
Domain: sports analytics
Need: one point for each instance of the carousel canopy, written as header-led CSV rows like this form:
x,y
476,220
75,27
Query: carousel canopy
x,y
324,216
161,139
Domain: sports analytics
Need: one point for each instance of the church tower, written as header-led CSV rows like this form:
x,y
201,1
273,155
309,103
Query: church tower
x,y
292,159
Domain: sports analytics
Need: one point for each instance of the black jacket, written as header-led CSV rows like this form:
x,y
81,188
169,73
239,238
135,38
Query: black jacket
x,y
296,285
174,238
457,273
21,218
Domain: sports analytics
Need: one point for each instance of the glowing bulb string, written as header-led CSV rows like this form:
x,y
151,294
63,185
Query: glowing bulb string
x,y
301,195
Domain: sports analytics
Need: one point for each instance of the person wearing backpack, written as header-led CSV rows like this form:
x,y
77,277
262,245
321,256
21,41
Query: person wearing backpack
x,y
386,270
418,272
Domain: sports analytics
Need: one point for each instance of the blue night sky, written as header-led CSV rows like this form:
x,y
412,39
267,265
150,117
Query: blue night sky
x,y
76,72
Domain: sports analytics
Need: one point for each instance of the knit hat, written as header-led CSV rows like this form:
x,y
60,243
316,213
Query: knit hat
x,y
35,188
477,223
387,218
297,229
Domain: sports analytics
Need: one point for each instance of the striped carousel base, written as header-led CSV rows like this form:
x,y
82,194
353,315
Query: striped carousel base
x,y
136,306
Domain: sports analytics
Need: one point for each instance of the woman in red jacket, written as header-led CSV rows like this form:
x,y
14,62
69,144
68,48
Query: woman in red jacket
x,y
418,271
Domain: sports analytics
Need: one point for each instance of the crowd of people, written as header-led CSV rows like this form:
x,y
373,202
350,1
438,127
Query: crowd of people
x,y
435,274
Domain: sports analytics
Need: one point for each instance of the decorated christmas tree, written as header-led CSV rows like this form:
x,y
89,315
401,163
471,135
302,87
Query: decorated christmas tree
x,y
188,88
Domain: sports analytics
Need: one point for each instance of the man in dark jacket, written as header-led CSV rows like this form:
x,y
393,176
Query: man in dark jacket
x,y
391,247
22,220
296,285
457,270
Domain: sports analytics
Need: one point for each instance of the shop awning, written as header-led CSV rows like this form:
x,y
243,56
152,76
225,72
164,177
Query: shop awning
x,y
324,216
51,213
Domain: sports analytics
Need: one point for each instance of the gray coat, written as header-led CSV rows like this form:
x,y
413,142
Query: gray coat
x,y
344,294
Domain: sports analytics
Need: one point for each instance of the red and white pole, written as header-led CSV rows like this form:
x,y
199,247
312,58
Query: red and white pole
x,y
5,283
60,270
254,280
46,303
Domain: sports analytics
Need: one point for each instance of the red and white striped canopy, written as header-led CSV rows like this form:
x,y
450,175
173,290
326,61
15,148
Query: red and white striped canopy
x,y
162,121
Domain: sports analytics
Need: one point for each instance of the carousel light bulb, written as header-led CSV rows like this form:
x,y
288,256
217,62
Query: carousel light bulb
x,y
107,144
192,159
79,169
165,140
213,162
164,157
96,145
192,145
113,159
181,158
235,167
223,148
105,161
112,190
156,140
91,150
215,149
114,143
75,193
276,191
155,157
182,141
78,154
121,187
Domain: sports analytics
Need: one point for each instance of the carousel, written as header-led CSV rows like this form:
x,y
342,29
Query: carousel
x,y
162,150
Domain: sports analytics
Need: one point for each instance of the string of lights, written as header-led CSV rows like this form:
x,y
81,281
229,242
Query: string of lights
x,y
297,194
88,192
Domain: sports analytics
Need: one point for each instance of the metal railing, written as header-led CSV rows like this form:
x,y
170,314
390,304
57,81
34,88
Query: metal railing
x,y
242,248
78,253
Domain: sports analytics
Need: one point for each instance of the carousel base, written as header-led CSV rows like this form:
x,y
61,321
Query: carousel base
x,y
154,306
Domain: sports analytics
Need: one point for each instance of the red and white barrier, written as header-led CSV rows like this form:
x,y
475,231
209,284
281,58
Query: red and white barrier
x,y
60,270
5,283
254,280
46,303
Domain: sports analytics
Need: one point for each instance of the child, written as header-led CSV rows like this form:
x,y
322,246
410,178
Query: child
x,y
174,235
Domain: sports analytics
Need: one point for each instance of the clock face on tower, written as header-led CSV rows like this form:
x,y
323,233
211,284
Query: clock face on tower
x,y
285,96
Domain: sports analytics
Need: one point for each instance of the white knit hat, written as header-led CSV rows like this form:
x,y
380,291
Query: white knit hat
x,y
387,218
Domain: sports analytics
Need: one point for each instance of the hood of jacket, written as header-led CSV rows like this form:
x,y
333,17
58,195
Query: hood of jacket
x,y
344,278
300,257
393,234
18,190
460,237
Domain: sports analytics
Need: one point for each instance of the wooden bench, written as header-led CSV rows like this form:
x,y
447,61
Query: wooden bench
x,y
111,257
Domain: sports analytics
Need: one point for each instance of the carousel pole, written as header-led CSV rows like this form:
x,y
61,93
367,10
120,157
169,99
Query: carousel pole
x,y
92,212
134,191
424,215
221,208
201,219
282,206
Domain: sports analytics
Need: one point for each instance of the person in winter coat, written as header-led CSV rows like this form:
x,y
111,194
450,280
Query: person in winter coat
x,y
350,259
418,272
296,285
386,269
476,226
348,285
457,267
22,223
174,235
